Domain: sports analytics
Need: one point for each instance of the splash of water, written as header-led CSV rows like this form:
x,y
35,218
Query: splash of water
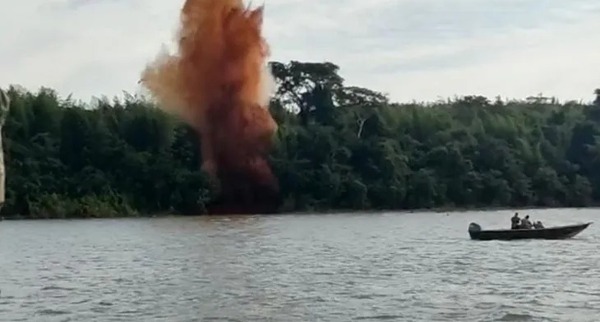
x,y
219,83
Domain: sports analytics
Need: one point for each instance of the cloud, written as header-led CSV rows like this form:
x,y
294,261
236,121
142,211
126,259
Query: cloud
x,y
410,49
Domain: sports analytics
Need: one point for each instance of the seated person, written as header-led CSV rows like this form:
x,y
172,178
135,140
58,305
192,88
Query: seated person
x,y
525,223
538,225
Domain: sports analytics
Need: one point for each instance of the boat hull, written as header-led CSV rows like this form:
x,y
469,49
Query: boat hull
x,y
561,232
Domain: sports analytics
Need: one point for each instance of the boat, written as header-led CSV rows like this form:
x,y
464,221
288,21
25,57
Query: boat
x,y
558,232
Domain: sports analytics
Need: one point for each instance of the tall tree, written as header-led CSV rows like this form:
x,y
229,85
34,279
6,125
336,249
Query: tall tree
x,y
4,106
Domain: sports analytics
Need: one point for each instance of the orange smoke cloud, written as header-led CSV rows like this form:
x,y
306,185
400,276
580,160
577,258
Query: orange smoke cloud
x,y
219,83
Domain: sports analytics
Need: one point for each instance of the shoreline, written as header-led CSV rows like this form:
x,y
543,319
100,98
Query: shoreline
x,y
439,210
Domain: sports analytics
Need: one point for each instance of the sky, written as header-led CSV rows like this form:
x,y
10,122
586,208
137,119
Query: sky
x,y
421,50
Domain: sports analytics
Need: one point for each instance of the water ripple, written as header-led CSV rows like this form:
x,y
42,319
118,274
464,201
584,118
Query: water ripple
x,y
363,267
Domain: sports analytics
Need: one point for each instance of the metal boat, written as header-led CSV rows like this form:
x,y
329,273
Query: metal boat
x,y
559,232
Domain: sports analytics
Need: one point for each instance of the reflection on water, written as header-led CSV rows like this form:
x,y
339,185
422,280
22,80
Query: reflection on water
x,y
343,267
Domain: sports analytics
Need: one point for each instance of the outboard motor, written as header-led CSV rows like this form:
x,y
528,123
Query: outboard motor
x,y
473,227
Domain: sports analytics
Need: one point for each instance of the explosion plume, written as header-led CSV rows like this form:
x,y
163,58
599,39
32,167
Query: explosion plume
x,y
219,83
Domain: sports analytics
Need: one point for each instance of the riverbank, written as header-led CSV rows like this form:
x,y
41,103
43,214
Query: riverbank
x,y
440,210
127,158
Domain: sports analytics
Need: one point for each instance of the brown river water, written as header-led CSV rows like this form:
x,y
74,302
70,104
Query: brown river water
x,y
341,267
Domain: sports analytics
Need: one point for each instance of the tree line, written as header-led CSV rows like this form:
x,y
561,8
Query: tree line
x,y
338,147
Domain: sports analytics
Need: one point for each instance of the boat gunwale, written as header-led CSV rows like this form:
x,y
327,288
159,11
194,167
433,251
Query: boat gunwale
x,y
536,229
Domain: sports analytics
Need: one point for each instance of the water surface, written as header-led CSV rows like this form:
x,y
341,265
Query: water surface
x,y
342,267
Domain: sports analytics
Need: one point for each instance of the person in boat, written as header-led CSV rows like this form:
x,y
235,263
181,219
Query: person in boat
x,y
515,221
525,223
538,225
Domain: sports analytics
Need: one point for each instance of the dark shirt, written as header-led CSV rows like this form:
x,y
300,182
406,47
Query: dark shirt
x,y
515,222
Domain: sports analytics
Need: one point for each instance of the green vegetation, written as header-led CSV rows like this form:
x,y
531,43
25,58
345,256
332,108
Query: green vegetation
x,y
338,148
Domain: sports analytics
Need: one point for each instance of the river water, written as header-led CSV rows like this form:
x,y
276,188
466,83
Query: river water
x,y
342,267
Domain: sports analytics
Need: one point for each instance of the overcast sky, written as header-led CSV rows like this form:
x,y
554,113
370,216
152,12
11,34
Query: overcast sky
x,y
410,49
